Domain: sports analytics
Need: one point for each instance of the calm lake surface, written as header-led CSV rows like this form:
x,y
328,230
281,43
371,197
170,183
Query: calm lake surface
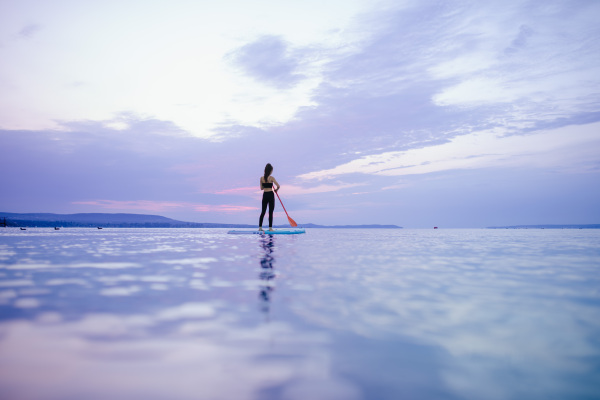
x,y
333,314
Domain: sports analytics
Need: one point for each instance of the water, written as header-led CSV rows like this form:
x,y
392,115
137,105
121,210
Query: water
x,y
333,314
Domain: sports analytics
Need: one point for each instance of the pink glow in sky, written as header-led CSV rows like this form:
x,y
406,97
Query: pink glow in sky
x,y
162,206
415,113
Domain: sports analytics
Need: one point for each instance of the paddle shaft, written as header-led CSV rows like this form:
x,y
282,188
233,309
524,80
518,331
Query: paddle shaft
x,y
282,204
292,222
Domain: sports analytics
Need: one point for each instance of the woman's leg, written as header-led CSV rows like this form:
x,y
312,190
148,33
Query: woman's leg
x,y
271,208
265,201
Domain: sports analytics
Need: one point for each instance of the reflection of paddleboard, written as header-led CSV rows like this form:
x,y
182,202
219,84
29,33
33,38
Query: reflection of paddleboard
x,y
267,232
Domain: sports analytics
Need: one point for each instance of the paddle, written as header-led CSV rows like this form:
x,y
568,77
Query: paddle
x,y
292,222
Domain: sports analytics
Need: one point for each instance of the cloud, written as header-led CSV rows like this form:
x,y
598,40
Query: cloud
x,y
411,85
145,205
168,62
291,190
525,32
244,191
269,60
524,55
161,206
28,31
411,89
304,190
94,166
571,148
222,208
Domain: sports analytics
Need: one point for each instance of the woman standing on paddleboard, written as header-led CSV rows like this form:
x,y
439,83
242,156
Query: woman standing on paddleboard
x,y
266,185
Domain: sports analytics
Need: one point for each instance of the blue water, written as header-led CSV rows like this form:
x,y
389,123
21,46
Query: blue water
x,y
332,314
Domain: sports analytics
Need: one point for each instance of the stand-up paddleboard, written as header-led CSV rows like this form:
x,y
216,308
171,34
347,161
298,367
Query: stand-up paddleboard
x,y
267,232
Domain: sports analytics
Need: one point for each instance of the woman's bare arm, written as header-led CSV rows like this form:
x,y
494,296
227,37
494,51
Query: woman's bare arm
x,y
276,183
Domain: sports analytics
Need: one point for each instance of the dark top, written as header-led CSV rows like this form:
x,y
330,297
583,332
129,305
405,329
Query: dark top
x,y
267,185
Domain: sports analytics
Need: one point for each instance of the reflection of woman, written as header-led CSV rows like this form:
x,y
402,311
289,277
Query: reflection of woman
x,y
266,185
267,273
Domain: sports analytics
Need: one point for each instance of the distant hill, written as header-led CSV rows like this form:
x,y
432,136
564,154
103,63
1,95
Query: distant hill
x,y
575,226
120,220
105,220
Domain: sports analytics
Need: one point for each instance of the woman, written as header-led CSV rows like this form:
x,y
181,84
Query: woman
x,y
266,185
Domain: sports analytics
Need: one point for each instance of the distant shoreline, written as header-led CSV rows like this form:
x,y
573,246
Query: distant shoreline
x,y
120,220
568,226
124,220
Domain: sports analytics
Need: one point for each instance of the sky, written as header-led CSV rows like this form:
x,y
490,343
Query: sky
x,y
457,114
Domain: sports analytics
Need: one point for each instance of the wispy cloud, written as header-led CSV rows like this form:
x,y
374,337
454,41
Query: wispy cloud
x,y
313,189
145,205
564,147
28,31
176,73
243,191
292,190
269,60
222,208
162,206
527,63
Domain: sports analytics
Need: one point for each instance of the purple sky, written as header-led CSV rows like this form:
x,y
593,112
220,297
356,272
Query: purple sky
x,y
415,113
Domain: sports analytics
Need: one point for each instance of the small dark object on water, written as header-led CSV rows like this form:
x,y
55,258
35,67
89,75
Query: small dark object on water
x,y
23,229
99,228
56,228
435,227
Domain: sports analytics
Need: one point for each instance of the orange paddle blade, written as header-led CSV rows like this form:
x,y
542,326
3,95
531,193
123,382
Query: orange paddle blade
x,y
292,222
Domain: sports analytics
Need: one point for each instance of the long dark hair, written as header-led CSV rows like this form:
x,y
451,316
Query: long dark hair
x,y
268,170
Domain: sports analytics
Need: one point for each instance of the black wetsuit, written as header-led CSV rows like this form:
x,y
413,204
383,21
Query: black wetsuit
x,y
268,199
